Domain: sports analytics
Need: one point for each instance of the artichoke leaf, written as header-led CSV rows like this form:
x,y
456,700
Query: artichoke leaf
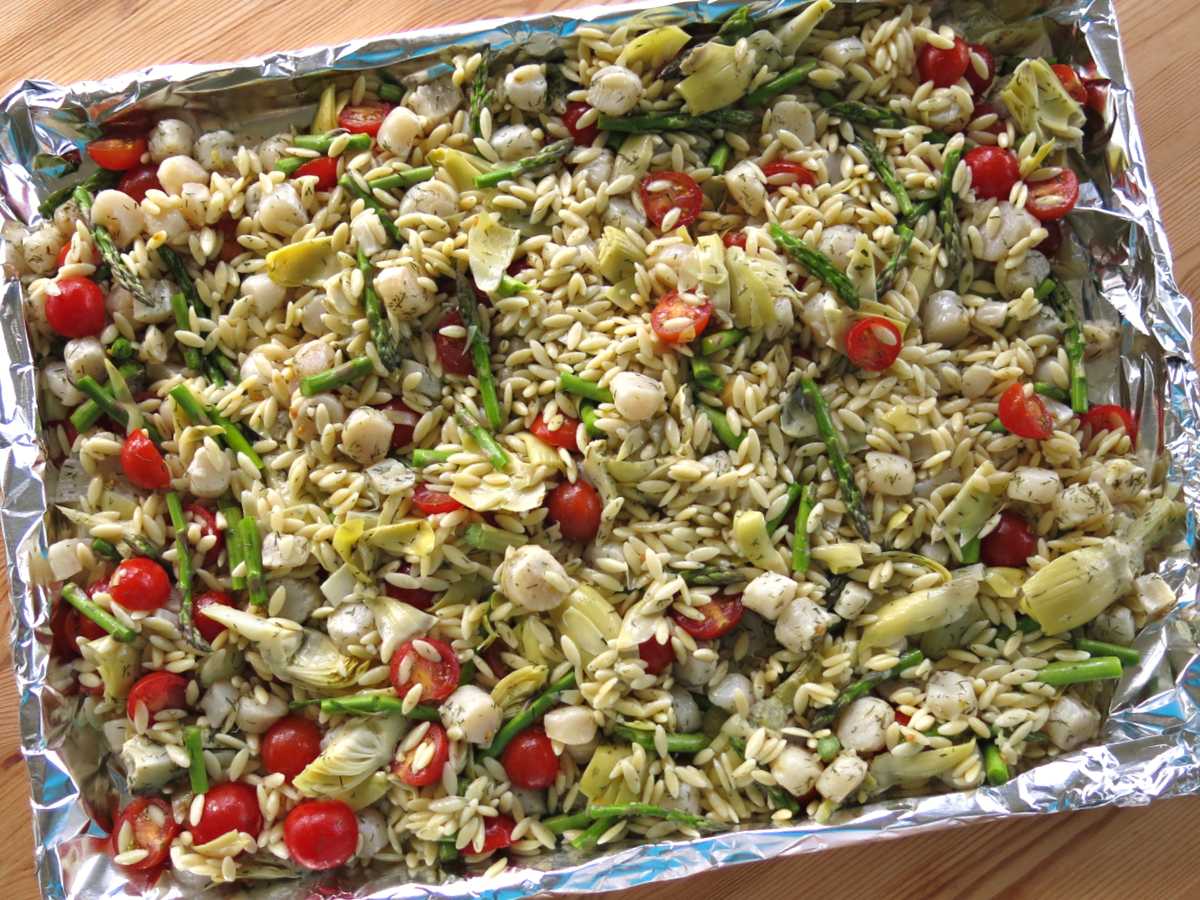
x,y
307,263
516,687
490,250
413,537
717,76
397,622
655,48
889,770
355,752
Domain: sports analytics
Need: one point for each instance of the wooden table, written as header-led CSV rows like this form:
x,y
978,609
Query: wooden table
x,y
1102,853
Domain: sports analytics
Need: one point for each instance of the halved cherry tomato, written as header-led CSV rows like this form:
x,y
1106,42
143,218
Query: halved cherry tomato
x,y
721,615
208,526
563,436
873,343
1070,81
75,307
1052,241
418,597
943,67
140,584
529,760
431,770
665,191
325,170
494,656
656,656
675,321
290,744
1010,543
452,352
984,108
143,464
576,507
209,628
1025,414
1055,197
67,625
994,171
153,827
137,181
980,83
497,833
157,691
1110,417
781,173
117,153
232,806
903,718
734,239
438,679
66,248
433,503
1097,94
364,118
404,422
584,136
321,834
230,248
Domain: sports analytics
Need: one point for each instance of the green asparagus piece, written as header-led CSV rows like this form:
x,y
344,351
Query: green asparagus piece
x,y
289,165
193,742
234,438
567,822
705,376
709,576
381,329
1052,391
392,93
510,286
183,565
529,715
782,84
828,748
887,277
720,426
1060,301
347,373
676,743
367,705
887,175
233,544
105,550
994,765
970,551
718,341
737,25
405,179
800,549
589,414
481,94
1098,668
1127,655
122,350
140,546
121,272
219,365
592,835
187,401
719,158
948,216
492,450
548,155
795,489
861,113
482,536
581,387
637,810
106,620
447,852
251,542
89,412
422,458
93,184
481,354
817,264
656,123
823,718
855,507
320,143
386,217
191,355
108,406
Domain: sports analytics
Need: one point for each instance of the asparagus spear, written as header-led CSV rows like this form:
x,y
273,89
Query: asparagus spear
x,y
1127,655
971,550
567,822
947,216
233,544
718,341
107,404
905,230
800,554
861,113
994,765
251,547
822,718
737,25
581,387
549,154
481,354
676,743
481,94
719,158
781,84
105,549
494,452
405,179
637,810
592,835
529,715
191,355
482,536
817,264
656,123
385,216
289,165
183,564
828,748
381,329
589,414
121,272
122,350
369,704
837,458
93,184
887,175
422,458
795,489
1060,300
720,426
347,373
193,742
705,376
1098,668
217,361
106,620
89,412
140,546
709,576
320,143
234,438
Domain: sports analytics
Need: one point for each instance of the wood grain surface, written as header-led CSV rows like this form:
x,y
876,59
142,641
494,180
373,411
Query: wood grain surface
x,y
1125,853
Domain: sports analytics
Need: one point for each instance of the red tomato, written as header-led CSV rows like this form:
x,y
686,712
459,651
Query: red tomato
x,y
1052,241
984,108
209,628
208,525
418,597
584,136
364,118
153,826
66,248
431,771
230,248
138,180
734,239
1070,81
665,191
291,744
1010,543
439,679
1055,197
117,153
404,422
321,834
452,352
529,760
994,171
563,436
232,806
325,170
1097,94
576,507
903,718
1110,417
656,656
494,657
158,691
677,322
75,307
433,503
721,616
497,833
943,67
979,84
1025,415
781,172
873,343
140,584
67,624
143,464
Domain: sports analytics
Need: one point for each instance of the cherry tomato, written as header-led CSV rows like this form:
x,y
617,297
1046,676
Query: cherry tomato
x,y
439,679
66,248
563,436
209,628
230,248
656,656
903,718
497,833
433,503
404,422
153,826
721,615
140,584
1055,197
576,507
321,834
75,307
1097,94
984,108
1010,543
143,464
452,352
324,168
1052,241
873,343
584,136
138,180
157,691
494,657
431,770
1110,417
67,625
208,526
529,760
734,239
994,171
665,191
677,322
364,118
943,67
980,83
232,806
418,597
117,154
781,173
1025,415
1070,81
291,744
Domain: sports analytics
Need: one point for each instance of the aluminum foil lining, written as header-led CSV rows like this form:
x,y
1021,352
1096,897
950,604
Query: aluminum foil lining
x,y
1151,741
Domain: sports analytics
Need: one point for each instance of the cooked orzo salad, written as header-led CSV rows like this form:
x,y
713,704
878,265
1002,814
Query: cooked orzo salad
x,y
689,431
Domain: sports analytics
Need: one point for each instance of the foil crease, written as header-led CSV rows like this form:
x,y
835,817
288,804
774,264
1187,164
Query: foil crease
x,y
1150,746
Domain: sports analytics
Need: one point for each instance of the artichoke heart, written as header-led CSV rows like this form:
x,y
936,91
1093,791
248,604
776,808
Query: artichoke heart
x,y
889,770
1039,104
305,263
617,255
407,537
490,250
923,610
355,752
716,77
655,48
397,622
461,167
516,687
